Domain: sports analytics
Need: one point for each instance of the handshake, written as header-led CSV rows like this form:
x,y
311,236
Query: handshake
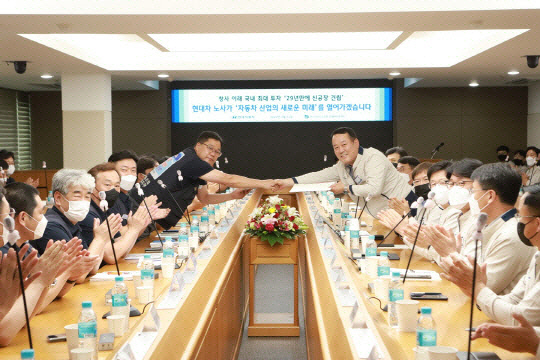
x,y
276,184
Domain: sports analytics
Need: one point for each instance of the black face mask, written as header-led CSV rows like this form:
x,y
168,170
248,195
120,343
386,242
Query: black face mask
x,y
111,196
518,162
395,165
521,234
422,190
502,157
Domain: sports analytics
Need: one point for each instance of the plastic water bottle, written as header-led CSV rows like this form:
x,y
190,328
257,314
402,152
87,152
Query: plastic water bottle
x,y
27,354
383,269
217,209
337,213
194,236
354,228
183,240
324,199
371,247
203,228
120,305
87,325
347,232
426,332
147,271
395,293
50,199
223,211
211,217
167,259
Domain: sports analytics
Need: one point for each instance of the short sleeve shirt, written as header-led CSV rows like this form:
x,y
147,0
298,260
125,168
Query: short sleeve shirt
x,y
191,168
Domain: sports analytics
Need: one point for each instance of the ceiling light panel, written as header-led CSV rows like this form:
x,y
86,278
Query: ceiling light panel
x,y
277,41
423,49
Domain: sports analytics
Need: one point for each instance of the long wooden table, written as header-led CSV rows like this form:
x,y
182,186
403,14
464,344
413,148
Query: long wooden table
x,y
208,322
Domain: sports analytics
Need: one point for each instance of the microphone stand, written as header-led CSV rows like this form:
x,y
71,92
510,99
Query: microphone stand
x,y
111,237
46,180
179,207
149,214
414,245
13,237
394,228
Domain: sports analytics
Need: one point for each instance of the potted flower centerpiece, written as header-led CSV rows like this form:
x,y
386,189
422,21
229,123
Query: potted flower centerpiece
x,y
274,221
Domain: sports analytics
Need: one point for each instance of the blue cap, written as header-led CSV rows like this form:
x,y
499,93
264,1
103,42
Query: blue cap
x,y
27,354
396,274
183,225
425,310
384,253
119,278
87,304
147,256
168,238
371,237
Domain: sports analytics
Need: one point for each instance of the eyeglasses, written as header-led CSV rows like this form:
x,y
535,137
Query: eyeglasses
x,y
213,149
459,183
519,217
440,182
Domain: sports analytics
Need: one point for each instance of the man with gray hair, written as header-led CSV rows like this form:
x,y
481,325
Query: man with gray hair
x,y
71,191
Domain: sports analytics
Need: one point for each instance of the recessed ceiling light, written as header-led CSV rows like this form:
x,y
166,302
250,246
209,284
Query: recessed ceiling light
x,y
513,72
163,75
46,76
395,73
473,84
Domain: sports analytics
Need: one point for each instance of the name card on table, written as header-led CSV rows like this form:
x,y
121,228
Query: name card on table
x,y
155,319
126,353
193,263
354,312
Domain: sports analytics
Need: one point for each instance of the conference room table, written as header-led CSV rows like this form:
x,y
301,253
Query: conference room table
x,y
208,321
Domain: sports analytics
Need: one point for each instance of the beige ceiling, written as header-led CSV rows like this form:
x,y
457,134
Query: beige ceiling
x,y
488,68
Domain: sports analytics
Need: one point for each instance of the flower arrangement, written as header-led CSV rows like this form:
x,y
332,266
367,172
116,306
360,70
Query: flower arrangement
x,y
274,222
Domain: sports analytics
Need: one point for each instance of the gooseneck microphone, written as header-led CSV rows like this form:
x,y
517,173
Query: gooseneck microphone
x,y
366,200
44,166
184,212
140,192
104,205
477,236
12,237
428,204
436,150
415,205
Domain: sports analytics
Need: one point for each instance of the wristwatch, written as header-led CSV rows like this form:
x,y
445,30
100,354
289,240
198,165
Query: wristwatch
x,y
346,191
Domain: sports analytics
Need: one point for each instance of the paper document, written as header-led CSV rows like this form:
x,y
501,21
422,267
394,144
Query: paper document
x,y
311,187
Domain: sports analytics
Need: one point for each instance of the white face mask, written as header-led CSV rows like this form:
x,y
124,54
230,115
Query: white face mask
x,y
441,194
127,182
530,161
77,210
475,208
458,197
40,228
10,170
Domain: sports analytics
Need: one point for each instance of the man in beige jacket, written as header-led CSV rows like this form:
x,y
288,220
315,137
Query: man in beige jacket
x,y
360,173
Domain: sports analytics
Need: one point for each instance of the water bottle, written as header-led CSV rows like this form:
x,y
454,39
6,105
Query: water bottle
x,y
27,354
347,233
395,293
87,326
223,210
371,246
194,235
383,269
203,227
211,217
354,228
50,199
217,209
120,305
426,333
183,240
147,271
337,213
324,199
167,259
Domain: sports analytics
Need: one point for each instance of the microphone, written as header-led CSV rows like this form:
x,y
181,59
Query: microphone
x,y
436,150
364,207
430,202
105,206
226,161
12,237
217,164
140,192
415,239
477,236
325,158
162,184
414,205
44,166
